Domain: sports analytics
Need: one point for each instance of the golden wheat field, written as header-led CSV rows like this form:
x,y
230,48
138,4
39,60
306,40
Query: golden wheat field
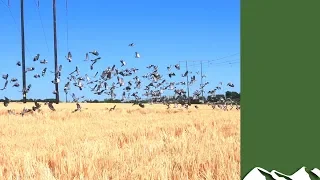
x,y
127,143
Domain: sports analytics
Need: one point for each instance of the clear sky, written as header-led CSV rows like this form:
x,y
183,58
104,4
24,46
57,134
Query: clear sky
x,y
165,32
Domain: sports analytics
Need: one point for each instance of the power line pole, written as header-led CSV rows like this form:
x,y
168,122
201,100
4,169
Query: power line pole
x,y
23,53
188,82
55,50
201,82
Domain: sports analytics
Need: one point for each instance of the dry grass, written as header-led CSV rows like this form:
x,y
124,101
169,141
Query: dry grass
x,y
128,143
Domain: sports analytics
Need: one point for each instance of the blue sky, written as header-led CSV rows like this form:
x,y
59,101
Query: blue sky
x,y
165,32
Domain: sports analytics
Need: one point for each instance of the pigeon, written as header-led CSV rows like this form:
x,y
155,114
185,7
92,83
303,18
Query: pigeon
x,y
56,81
10,111
185,74
44,61
16,85
93,62
113,108
18,63
96,74
141,105
44,72
120,81
230,84
69,57
36,58
123,63
95,53
13,80
78,108
131,44
137,55
5,85
25,110
171,74
36,106
6,101
87,57
27,89
5,76
30,69
50,105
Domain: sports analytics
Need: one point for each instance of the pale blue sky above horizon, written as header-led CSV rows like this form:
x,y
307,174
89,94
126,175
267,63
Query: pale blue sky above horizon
x,y
165,32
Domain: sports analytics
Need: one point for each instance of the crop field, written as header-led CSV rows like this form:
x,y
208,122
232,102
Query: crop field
x,y
127,143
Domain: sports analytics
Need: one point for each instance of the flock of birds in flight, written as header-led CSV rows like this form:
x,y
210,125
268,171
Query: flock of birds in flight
x,y
101,84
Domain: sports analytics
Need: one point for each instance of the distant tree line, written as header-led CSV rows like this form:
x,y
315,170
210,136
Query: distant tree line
x,y
229,94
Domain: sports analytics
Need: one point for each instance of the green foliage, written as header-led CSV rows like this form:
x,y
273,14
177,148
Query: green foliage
x,y
233,95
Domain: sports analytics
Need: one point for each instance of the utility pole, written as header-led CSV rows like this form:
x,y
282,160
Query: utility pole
x,y
55,50
188,82
201,82
23,52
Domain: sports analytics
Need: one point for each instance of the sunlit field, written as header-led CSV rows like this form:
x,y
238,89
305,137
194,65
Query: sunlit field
x,y
127,143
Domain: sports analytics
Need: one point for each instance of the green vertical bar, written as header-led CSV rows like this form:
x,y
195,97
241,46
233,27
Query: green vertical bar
x,y
280,77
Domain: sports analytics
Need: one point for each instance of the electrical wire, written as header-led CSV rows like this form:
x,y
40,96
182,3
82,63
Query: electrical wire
x,y
204,62
15,22
224,62
37,3
67,26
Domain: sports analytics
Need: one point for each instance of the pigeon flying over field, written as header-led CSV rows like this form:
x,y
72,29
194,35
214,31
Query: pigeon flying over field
x,y
10,111
171,74
50,105
36,76
36,106
177,66
87,57
6,101
13,80
16,85
69,57
137,55
56,80
123,63
113,108
96,53
230,84
141,105
29,69
169,68
78,108
120,81
96,74
5,85
131,44
94,61
5,76
185,74
25,110
18,63
25,91
36,58
44,61
44,71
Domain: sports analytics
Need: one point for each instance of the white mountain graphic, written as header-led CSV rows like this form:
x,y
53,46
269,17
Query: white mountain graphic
x,y
301,174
